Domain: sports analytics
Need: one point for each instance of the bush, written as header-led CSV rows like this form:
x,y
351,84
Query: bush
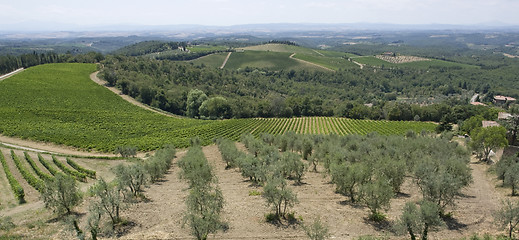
x,y
317,230
126,151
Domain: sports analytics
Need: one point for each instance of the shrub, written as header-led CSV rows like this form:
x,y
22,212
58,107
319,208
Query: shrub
x,y
126,151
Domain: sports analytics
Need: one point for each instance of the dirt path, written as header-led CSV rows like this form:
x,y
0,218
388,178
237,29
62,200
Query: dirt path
x,y
311,63
161,217
131,100
318,52
360,64
225,61
5,76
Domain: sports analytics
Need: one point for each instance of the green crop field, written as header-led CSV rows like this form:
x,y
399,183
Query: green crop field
x,y
333,63
282,48
206,48
59,103
212,60
275,61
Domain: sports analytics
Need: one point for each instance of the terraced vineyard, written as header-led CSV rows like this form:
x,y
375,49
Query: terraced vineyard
x,y
33,175
59,103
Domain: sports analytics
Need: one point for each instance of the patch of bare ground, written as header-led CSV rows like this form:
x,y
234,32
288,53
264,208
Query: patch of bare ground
x,y
401,59
161,216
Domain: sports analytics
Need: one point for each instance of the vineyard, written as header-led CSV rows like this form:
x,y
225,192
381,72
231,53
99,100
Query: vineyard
x,y
58,103
33,175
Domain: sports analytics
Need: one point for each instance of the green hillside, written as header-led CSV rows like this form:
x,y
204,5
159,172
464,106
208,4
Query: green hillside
x,y
214,60
59,103
275,61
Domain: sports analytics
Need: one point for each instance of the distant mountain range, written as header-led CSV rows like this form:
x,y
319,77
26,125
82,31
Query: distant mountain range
x,y
49,30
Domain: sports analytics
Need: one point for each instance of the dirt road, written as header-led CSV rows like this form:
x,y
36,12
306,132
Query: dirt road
x,y
311,63
225,61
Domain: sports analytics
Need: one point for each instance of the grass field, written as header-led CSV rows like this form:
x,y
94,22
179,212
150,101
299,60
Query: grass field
x,y
59,103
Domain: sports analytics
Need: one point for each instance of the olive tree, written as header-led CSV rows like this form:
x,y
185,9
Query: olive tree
x,y
317,230
279,196
507,217
61,194
131,177
418,221
204,205
109,199
376,195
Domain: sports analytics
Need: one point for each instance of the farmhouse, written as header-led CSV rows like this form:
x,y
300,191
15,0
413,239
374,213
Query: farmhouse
x,y
503,115
503,99
490,124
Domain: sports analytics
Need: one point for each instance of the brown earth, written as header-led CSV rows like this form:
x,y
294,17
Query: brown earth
x,y
161,218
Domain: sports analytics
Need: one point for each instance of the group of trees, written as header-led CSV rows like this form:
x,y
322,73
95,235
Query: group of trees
x,y
107,199
9,63
370,169
166,85
205,200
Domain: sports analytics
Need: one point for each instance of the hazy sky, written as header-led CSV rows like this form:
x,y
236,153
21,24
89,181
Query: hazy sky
x,y
233,12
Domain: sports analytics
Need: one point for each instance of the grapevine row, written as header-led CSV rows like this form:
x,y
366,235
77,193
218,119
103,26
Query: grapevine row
x,y
88,172
15,185
37,170
77,175
36,183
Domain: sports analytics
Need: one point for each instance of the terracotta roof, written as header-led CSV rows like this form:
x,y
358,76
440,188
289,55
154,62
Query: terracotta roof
x,y
490,124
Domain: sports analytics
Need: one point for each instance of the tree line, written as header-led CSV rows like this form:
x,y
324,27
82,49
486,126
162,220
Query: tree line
x,y
9,63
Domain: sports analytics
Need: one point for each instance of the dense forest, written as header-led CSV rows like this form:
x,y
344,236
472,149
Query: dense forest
x,y
370,93
9,63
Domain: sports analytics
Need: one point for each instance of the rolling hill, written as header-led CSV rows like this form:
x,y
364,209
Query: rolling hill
x,y
58,103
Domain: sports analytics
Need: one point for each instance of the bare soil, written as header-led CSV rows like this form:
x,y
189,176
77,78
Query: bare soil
x,y
161,218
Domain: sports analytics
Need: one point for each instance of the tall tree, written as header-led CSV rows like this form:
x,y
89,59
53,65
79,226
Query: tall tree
x,y
487,139
195,98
